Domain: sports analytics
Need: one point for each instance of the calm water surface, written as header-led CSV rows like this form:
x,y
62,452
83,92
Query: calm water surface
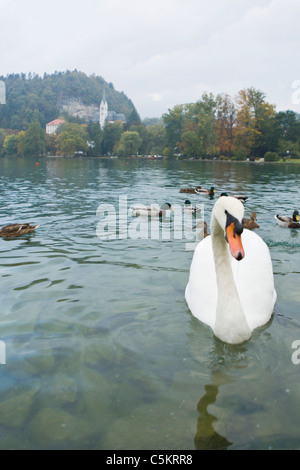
x,y
101,349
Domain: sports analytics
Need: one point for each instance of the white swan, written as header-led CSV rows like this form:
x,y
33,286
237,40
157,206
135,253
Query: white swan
x,y
231,284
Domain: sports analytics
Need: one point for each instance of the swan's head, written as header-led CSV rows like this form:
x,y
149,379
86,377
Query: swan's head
x,y
229,213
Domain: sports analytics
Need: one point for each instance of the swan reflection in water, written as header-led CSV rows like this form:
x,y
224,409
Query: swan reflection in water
x,y
206,437
225,360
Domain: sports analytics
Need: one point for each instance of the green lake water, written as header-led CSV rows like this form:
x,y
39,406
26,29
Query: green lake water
x,y
101,350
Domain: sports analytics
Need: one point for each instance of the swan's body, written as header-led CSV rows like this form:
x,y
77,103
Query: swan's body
x,y
152,211
17,230
251,223
231,285
290,222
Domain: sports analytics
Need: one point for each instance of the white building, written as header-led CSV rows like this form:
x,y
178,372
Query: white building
x,y
103,110
2,93
52,126
108,116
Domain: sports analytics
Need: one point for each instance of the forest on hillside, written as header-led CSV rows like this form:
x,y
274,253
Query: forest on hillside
x,y
31,97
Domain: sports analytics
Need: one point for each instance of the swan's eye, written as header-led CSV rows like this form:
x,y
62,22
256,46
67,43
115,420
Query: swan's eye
x,y
226,212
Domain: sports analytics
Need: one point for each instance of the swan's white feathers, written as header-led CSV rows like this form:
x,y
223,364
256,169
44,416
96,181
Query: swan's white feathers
x,y
253,277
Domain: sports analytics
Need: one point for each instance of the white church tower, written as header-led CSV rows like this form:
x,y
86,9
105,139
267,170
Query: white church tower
x,y
103,110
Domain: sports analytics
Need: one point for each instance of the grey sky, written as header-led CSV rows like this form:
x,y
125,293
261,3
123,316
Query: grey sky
x,y
160,52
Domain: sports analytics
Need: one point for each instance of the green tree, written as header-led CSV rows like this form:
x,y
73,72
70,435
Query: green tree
x,y
10,146
34,140
2,139
156,139
288,126
199,135
95,135
271,157
133,119
111,136
129,144
192,144
255,129
51,144
71,138
20,143
225,120
145,137
174,124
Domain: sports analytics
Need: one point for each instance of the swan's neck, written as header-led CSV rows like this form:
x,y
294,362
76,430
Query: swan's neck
x,y
231,325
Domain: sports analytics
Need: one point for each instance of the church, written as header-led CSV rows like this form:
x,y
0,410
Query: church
x,y
107,117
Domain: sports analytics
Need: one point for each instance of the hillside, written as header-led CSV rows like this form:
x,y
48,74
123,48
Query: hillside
x,y
45,98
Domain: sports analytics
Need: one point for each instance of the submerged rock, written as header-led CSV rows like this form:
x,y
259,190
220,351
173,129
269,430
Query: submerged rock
x,y
51,428
14,410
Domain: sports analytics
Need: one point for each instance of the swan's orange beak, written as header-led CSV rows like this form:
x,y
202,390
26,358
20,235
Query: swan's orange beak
x,y
235,242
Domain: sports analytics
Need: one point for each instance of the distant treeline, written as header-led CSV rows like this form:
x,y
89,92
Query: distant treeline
x,y
240,128
221,127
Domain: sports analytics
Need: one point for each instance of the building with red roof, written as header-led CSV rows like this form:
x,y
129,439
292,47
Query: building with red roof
x,y
52,126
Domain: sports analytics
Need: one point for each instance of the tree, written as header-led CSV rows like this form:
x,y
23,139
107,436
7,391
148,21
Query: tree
x,y
156,139
51,144
199,135
2,139
133,119
246,132
72,138
271,157
111,136
174,123
255,130
20,143
10,146
95,135
34,140
225,120
191,144
129,144
288,126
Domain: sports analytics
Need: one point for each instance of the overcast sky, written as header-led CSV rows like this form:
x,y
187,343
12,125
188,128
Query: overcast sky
x,y
160,52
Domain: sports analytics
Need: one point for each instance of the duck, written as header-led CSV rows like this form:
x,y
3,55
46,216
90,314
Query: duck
x,y
209,192
290,222
189,209
190,190
201,228
17,230
237,196
152,211
231,282
251,223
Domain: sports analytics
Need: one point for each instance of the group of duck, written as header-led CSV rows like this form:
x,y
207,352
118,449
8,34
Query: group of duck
x,y
17,230
248,223
231,283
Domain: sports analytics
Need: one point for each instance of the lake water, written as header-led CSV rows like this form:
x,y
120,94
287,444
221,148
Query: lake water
x,y
101,349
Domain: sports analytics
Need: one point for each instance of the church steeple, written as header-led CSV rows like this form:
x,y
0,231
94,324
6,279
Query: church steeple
x,y
103,110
